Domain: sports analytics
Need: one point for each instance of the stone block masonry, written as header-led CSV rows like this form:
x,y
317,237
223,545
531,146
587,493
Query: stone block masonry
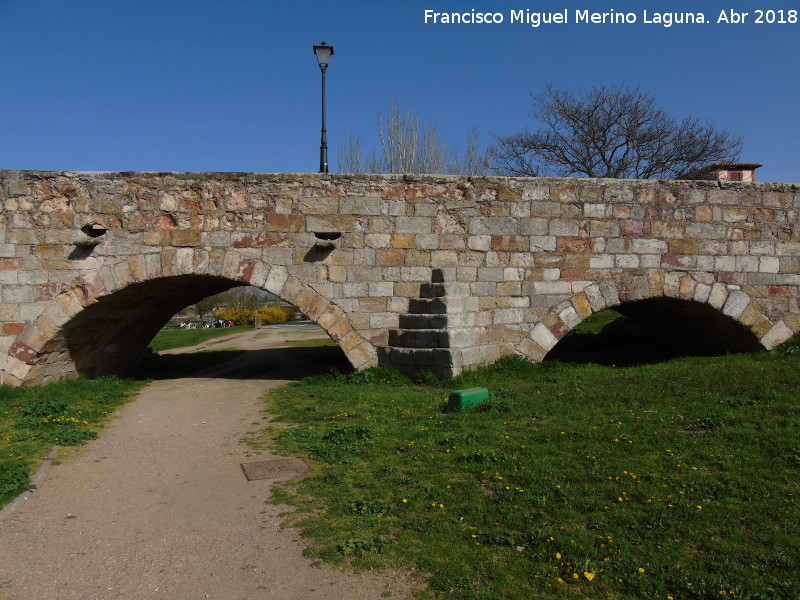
x,y
418,272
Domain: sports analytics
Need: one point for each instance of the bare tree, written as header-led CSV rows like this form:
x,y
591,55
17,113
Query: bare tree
x,y
350,156
408,145
615,132
473,161
245,297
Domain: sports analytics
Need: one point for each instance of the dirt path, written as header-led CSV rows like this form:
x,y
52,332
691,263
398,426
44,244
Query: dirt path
x,y
158,506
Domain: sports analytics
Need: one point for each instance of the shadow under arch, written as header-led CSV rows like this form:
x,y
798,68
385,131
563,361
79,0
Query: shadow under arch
x,y
79,330
725,317
654,330
110,333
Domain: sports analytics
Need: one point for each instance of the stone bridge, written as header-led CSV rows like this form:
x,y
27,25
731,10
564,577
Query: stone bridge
x,y
417,272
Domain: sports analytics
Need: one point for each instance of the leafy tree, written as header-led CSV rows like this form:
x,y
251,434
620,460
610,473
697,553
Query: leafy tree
x,y
408,145
209,305
616,132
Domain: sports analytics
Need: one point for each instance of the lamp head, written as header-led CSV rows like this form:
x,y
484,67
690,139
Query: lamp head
x,y
324,53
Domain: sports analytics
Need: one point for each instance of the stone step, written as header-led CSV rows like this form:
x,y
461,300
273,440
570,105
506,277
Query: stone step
x,y
419,338
432,290
426,306
410,321
416,358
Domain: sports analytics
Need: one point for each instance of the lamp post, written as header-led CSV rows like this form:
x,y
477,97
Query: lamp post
x,y
323,53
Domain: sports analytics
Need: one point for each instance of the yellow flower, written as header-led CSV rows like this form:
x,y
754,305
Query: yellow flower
x,y
641,570
558,554
405,500
588,575
575,576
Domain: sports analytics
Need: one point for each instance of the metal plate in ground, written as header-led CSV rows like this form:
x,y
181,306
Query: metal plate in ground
x,y
274,469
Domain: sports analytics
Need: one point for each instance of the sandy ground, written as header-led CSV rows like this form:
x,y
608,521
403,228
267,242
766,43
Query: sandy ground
x,y
158,506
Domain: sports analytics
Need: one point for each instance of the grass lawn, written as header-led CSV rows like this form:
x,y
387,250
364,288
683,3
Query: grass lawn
x,y
670,481
69,412
167,339
64,413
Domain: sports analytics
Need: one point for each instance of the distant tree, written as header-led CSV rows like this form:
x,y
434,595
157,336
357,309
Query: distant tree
x,y
408,145
245,297
350,156
474,160
209,305
616,132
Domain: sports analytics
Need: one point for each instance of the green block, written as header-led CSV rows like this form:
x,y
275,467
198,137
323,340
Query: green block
x,y
463,399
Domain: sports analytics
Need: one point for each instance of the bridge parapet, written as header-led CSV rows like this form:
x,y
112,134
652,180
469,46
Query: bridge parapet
x,y
421,272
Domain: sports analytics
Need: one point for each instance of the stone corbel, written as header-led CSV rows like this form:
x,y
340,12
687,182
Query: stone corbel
x,y
88,238
90,235
325,243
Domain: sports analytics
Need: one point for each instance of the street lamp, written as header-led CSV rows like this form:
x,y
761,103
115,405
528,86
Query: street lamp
x,y
323,54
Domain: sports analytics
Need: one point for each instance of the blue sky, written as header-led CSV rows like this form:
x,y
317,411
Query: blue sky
x,y
234,85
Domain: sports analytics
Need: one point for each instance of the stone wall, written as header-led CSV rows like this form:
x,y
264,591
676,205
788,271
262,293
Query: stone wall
x,y
421,272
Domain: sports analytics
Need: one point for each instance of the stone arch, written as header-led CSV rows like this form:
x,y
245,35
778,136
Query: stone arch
x,y
70,334
729,301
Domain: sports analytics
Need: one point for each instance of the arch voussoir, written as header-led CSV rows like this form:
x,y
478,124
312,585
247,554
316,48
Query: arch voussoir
x,y
26,352
672,284
776,335
752,314
259,274
736,303
95,286
238,266
594,295
131,270
330,316
632,287
718,295
656,282
543,337
582,305
73,301
567,314
363,356
276,279
610,291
